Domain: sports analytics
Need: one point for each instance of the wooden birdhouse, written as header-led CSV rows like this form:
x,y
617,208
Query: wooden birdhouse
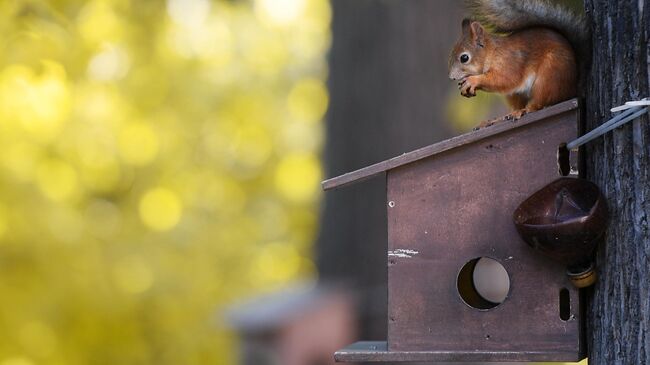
x,y
450,211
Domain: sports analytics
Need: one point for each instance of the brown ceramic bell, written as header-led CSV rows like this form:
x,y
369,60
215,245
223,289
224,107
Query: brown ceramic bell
x,y
565,220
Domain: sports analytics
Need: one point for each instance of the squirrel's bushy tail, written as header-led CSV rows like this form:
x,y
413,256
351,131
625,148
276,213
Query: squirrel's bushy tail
x,y
513,15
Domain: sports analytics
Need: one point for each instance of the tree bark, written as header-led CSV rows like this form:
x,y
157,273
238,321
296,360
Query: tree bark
x,y
388,85
619,310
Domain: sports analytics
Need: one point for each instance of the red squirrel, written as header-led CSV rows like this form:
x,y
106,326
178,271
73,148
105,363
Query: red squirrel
x,y
530,56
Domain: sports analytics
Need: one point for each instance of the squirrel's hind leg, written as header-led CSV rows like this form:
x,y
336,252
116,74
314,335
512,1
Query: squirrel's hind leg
x,y
517,101
519,104
556,82
515,115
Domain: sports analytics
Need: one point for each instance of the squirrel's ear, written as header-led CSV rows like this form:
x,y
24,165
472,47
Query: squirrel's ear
x,y
478,33
465,25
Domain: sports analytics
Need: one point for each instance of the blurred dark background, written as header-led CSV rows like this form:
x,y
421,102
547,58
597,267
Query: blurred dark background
x,y
388,94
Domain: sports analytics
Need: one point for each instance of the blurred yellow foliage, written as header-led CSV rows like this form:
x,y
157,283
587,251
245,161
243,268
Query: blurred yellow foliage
x,y
465,114
159,159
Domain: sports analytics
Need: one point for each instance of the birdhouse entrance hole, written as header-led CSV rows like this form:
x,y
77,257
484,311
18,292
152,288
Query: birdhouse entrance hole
x,y
483,283
564,160
565,304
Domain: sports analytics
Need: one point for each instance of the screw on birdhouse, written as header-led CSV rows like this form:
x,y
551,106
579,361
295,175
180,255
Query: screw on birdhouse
x,y
391,204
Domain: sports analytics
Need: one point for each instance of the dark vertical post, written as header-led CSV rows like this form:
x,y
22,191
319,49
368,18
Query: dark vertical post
x,y
388,84
619,313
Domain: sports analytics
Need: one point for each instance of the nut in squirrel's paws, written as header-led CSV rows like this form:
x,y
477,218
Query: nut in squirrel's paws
x,y
468,87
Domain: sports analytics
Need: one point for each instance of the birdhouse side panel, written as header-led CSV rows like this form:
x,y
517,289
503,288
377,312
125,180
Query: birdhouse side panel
x,y
454,207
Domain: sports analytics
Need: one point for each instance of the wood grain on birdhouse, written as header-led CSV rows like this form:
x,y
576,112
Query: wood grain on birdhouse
x,y
450,231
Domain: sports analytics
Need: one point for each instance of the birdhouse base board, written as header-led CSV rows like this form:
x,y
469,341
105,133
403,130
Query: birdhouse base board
x,y
377,351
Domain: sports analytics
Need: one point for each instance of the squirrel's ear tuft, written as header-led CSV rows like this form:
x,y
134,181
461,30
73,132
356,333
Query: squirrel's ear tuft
x,y
478,33
465,24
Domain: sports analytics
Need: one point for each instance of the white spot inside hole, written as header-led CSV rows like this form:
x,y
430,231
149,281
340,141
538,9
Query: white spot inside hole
x,y
483,283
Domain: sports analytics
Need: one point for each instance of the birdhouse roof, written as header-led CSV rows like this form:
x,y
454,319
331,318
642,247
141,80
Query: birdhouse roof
x,y
500,127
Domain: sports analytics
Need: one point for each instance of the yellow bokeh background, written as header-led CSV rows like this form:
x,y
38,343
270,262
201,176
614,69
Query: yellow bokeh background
x,y
159,160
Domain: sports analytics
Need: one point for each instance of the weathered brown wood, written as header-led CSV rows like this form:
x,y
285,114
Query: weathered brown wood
x,y
619,314
449,208
378,168
377,351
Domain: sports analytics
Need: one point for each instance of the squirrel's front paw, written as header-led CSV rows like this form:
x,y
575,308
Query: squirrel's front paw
x,y
468,87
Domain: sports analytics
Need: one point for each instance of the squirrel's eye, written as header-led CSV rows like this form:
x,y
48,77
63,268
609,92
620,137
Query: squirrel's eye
x,y
464,58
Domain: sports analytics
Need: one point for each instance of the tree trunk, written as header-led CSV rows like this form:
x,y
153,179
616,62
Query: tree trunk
x,y
388,84
619,312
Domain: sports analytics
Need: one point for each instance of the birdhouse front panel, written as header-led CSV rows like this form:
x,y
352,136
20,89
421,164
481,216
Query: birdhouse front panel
x,y
449,210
